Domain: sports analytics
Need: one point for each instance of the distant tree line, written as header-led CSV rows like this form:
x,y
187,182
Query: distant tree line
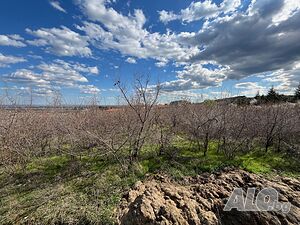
x,y
274,97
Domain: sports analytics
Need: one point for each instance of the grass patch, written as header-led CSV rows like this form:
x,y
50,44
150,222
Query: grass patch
x,y
189,161
260,162
49,166
63,190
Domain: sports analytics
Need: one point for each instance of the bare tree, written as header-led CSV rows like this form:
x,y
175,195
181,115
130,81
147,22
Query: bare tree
x,y
200,124
163,131
270,122
141,103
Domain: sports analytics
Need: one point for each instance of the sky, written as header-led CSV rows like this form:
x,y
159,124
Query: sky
x,y
196,50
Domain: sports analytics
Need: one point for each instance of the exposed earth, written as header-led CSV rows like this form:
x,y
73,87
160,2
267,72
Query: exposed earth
x,y
200,200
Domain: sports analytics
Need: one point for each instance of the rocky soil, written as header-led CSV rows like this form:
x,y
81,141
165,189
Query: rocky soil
x,y
201,199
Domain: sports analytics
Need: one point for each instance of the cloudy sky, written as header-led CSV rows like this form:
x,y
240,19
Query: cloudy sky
x,y
195,49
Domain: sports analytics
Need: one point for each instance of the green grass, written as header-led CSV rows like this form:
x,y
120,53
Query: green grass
x,y
49,166
270,162
62,190
87,190
191,161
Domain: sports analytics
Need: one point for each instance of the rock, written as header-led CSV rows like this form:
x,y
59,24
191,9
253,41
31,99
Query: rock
x,y
200,200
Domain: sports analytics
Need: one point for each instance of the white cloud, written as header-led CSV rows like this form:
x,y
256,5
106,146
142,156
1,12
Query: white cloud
x,y
56,5
94,70
28,77
43,92
25,91
96,10
250,88
289,8
161,63
149,45
89,89
37,42
248,85
240,43
195,76
78,67
249,43
12,40
128,35
285,80
199,10
8,59
190,95
166,17
61,41
131,60
57,74
113,30
62,74
35,56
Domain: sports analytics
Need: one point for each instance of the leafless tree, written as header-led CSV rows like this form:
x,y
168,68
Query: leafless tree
x,y
163,131
199,123
141,104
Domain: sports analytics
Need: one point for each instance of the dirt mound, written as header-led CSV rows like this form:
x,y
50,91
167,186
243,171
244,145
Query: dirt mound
x,y
200,200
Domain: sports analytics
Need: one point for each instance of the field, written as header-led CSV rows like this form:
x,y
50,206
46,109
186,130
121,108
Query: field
x,y
63,166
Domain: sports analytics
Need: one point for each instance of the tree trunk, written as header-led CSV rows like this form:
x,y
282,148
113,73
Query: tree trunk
x,y
206,144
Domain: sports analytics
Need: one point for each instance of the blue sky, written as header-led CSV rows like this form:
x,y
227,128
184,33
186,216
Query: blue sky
x,y
195,49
